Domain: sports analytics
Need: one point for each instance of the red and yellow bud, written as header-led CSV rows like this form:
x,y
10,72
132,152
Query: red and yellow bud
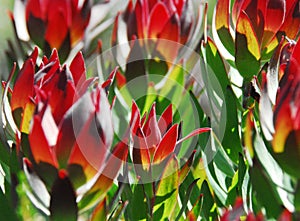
x,y
57,24
154,141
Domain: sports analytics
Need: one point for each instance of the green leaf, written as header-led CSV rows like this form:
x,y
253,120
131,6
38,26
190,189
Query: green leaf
x,y
136,200
186,199
6,210
63,204
208,203
214,62
264,192
231,141
167,191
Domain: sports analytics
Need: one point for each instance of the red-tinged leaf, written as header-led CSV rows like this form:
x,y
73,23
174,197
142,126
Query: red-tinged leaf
x,y
221,21
64,100
274,18
158,18
100,212
23,88
80,20
105,180
114,35
169,35
194,133
140,152
89,151
121,80
54,56
166,145
222,12
40,148
283,125
36,9
57,20
135,118
77,69
247,56
34,54
236,9
141,14
291,24
274,15
166,120
71,125
151,131
285,216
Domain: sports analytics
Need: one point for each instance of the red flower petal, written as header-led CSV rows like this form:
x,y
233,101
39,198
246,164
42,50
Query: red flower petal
x,y
169,35
90,151
166,145
158,18
151,130
274,17
141,14
23,88
40,148
77,69
292,19
135,117
74,120
58,19
166,120
140,150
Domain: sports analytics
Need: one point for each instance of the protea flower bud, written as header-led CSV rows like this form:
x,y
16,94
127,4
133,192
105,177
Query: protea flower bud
x,y
256,30
155,141
281,119
56,24
162,27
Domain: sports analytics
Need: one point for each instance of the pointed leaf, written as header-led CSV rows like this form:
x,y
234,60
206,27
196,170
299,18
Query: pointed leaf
x,y
23,88
151,131
77,69
99,213
167,191
166,119
166,145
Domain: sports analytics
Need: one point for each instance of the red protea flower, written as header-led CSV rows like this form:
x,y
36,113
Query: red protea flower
x,y
162,26
256,31
57,24
65,132
280,116
60,85
154,141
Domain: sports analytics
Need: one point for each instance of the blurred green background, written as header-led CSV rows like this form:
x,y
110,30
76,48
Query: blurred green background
x,y
6,32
